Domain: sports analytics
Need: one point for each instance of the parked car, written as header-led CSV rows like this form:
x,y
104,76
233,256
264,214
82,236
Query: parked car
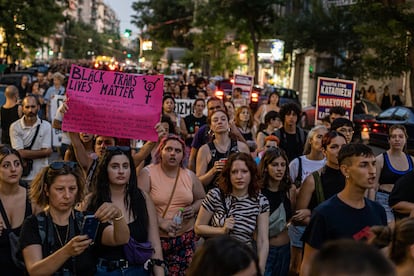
x,y
286,95
14,78
394,115
308,114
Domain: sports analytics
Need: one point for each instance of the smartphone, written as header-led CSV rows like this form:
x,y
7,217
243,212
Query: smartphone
x,y
90,226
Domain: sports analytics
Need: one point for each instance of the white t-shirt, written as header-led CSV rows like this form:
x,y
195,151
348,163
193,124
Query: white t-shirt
x,y
21,136
308,167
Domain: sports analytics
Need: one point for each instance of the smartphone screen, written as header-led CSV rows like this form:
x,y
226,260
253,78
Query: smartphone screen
x,y
90,226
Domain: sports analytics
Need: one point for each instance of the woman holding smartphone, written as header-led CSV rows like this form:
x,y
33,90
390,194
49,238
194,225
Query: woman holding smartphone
x,y
52,241
116,181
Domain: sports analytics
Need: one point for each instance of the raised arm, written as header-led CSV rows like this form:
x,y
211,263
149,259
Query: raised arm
x,y
80,152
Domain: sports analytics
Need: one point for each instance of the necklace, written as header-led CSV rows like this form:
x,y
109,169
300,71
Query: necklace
x,y
58,235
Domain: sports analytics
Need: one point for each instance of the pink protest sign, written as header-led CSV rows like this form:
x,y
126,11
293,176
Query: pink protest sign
x,y
113,103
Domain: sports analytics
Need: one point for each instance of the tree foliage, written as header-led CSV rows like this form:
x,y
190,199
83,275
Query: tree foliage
x,y
26,23
167,22
82,38
369,39
250,20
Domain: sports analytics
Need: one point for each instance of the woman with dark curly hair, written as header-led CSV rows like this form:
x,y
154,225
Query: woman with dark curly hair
x,y
281,193
116,181
237,207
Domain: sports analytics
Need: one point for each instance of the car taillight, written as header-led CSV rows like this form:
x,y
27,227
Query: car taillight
x,y
255,97
219,94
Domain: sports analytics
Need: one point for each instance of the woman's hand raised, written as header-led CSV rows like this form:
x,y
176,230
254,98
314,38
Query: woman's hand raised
x,y
108,212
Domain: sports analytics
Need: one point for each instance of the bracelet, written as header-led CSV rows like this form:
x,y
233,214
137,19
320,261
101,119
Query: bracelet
x,y
119,218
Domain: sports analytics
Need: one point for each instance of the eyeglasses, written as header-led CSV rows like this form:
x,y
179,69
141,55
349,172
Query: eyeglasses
x,y
57,165
124,149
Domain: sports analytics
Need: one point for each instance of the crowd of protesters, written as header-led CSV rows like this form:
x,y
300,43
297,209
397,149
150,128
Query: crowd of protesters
x,y
225,190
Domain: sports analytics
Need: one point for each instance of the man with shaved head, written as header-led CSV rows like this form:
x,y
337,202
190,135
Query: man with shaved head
x,y
10,112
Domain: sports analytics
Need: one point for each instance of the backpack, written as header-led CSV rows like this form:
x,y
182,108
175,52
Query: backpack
x,y
302,135
298,180
46,233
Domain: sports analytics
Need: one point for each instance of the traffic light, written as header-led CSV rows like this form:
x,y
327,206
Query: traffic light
x,y
127,33
129,55
311,68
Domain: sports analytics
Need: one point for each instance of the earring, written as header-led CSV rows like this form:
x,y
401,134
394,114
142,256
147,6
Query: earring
x,y
228,129
347,176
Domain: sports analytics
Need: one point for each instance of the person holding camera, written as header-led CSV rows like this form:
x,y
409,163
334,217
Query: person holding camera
x,y
53,242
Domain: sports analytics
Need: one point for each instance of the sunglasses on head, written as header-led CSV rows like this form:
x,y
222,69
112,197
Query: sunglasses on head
x,y
57,165
124,149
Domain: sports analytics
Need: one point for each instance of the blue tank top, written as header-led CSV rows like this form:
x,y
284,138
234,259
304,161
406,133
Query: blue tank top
x,y
389,175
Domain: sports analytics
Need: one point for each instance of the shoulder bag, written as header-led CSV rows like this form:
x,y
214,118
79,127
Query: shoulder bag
x,y
27,162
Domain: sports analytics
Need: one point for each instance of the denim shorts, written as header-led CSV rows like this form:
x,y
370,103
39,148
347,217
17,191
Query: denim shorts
x,y
128,271
382,199
295,234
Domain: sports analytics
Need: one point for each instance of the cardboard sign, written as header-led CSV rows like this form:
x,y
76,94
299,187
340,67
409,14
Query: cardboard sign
x,y
113,103
334,92
184,107
245,82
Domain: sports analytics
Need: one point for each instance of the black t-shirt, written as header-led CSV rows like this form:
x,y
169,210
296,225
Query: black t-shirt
x,y
333,220
403,191
84,264
292,144
8,116
333,181
193,124
275,198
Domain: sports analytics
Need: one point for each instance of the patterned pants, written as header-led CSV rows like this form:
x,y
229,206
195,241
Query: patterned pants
x,y
178,252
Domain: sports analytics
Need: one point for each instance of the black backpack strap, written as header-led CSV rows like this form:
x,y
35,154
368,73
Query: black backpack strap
x,y
301,135
47,236
298,179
